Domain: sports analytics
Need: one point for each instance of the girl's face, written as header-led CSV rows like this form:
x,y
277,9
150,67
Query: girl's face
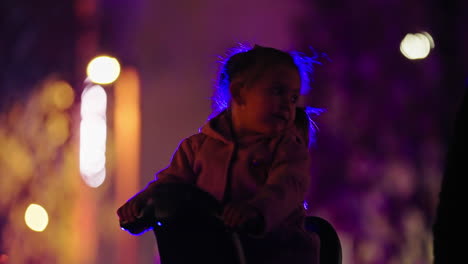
x,y
269,104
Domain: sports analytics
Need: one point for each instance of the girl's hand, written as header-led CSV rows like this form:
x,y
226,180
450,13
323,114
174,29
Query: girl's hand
x,y
133,208
238,215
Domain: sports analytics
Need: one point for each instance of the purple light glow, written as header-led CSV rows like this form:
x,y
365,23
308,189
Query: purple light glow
x,y
221,95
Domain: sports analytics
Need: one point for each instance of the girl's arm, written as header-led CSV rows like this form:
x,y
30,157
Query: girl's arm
x,y
179,170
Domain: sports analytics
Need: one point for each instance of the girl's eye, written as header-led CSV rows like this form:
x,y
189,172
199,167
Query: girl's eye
x,y
294,98
276,90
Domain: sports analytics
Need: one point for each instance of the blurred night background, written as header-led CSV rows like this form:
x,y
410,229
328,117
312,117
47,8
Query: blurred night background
x,y
377,161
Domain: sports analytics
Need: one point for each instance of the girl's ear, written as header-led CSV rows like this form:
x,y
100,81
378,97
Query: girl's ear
x,y
235,88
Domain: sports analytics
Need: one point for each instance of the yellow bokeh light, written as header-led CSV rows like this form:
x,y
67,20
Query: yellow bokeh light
x,y
17,157
36,217
56,95
416,46
62,95
103,70
57,128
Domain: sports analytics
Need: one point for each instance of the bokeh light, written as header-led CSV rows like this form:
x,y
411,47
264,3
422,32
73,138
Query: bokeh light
x,y
92,145
103,70
16,156
36,217
92,151
93,102
416,46
62,95
56,95
57,128
95,179
93,134
429,37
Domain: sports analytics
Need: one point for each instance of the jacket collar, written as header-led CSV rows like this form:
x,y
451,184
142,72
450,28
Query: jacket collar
x,y
220,128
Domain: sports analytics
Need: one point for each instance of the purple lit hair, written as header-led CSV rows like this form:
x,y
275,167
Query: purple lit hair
x,y
249,62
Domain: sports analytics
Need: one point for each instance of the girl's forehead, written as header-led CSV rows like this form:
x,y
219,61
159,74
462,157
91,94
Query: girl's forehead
x,y
284,69
282,73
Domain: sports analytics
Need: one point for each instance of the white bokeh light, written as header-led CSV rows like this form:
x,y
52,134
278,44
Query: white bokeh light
x,y
92,145
36,217
96,179
429,37
416,46
93,135
93,101
103,70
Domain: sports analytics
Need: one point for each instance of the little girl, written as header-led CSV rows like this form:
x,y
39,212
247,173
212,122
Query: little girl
x,y
252,156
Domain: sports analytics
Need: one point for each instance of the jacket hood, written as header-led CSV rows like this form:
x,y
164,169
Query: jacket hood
x,y
219,127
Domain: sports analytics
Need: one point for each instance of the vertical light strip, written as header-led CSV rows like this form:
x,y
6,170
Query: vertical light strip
x,y
127,151
85,228
93,135
84,233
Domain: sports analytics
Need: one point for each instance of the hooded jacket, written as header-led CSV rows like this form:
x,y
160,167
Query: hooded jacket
x,y
271,173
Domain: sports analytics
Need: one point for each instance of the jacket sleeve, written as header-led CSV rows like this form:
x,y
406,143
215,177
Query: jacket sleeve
x,y
180,168
286,186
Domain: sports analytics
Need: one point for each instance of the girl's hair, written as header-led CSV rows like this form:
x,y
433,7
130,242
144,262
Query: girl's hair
x,y
249,64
